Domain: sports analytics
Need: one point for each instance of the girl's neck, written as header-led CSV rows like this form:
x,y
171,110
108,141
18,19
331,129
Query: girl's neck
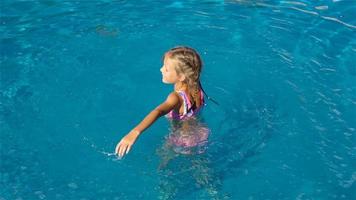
x,y
180,86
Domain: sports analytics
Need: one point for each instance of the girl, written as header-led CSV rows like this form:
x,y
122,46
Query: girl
x,y
181,67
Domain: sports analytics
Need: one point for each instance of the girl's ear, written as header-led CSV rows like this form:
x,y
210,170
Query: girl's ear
x,y
181,77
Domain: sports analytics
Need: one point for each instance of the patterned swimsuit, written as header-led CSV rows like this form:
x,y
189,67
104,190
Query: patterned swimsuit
x,y
192,139
188,111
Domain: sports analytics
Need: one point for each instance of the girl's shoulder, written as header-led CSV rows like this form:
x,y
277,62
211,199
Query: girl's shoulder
x,y
174,98
182,95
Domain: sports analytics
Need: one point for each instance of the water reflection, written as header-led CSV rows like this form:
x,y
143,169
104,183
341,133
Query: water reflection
x,y
185,166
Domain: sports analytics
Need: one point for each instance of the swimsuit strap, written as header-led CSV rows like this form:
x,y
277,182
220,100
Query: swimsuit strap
x,y
188,107
201,97
186,102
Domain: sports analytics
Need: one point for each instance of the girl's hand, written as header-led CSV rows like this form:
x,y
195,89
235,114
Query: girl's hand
x,y
124,146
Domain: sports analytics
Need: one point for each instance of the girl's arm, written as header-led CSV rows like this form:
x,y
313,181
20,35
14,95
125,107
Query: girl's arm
x,y
124,146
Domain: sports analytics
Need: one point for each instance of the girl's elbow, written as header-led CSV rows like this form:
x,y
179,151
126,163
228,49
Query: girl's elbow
x,y
159,112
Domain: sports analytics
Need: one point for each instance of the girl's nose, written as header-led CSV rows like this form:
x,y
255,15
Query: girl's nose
x,y
161,69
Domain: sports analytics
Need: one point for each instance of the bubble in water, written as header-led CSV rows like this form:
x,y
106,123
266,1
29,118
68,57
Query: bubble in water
x,y
73,185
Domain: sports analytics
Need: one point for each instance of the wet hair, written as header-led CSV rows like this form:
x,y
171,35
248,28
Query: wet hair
x,y
190,65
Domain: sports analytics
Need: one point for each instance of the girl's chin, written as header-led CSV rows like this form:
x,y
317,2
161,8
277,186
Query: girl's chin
x,y
164,81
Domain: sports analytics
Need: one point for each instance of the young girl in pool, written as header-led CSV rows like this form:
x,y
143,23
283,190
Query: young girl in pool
x,y
182,67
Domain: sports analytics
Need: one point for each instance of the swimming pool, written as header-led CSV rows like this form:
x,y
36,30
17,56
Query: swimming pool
x,y
78,75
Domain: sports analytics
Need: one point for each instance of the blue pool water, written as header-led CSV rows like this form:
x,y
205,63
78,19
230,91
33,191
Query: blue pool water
x,y
76,76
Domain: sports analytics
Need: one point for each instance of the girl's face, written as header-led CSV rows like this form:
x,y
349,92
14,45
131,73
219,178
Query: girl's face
x,y
169,74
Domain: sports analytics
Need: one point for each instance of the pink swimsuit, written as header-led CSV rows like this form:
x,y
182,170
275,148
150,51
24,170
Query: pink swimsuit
x,y
187,111
191,139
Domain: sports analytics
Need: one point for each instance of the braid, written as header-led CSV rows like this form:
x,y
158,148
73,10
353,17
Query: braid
x,y
189,64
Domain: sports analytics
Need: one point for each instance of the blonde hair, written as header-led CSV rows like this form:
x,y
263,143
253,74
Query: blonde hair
x,y
190,65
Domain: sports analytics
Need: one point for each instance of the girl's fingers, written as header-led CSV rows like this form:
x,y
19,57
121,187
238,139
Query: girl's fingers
x,y
122,150
128,149
117,148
